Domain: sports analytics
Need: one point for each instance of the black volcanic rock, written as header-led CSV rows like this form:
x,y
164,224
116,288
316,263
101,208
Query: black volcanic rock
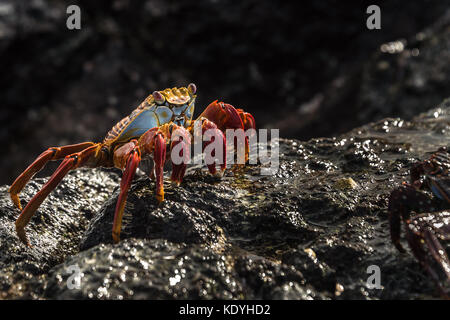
x,y
54,231
308,232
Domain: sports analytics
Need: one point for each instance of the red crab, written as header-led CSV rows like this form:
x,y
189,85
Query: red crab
x,y
163,118
425,231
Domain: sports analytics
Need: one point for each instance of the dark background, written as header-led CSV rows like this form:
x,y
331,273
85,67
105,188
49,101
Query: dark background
x,y
302,67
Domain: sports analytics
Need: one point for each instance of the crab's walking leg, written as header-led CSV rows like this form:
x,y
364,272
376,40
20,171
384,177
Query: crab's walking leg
x,y
70,162
55,153
128,156
423,228
249,123
154,141
401,202
159,158
133,157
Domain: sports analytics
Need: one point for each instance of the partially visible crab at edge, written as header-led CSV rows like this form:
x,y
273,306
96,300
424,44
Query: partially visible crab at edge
x,y
425,231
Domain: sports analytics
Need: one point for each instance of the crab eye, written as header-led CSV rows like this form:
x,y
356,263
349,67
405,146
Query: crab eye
x,y
159,98
192,88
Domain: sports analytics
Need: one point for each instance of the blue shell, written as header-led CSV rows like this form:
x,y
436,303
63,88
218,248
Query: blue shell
x,y
164,114
146,120
148,117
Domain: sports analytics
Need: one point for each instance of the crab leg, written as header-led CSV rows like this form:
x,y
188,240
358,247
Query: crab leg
x,y
159,158
133,157
128,156
416,237
70,162
437,251
401,201
55,153
249,123
154,141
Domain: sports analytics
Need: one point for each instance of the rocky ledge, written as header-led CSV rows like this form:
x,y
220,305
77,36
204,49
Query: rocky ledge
x,y
308,232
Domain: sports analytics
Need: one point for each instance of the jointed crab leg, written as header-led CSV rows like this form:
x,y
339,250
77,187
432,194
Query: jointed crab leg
x,y
55,153
133,159
70,162
249,123
423,227
152,141
159,157
400,207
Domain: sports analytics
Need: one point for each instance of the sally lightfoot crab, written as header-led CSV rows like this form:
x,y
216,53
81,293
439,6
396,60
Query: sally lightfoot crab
x,y
425,231
164,118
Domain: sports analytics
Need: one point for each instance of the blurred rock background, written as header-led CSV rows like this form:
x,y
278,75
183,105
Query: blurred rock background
x,y
309,69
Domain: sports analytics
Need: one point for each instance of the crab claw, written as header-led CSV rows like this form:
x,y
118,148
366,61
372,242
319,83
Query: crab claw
x,y
224,115
211,133
181,143
247,119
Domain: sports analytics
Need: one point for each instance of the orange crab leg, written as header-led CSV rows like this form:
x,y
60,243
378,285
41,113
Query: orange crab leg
x,y
159,157
249,123
153,141
133,160
55,153
70,162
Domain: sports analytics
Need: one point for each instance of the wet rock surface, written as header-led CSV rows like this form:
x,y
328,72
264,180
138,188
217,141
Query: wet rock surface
x,y
55,230
308,232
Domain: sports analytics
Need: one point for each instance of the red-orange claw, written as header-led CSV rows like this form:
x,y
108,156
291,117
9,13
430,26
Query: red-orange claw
x,y
224,115
159,158
179,169
211,158
247,119
181,143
